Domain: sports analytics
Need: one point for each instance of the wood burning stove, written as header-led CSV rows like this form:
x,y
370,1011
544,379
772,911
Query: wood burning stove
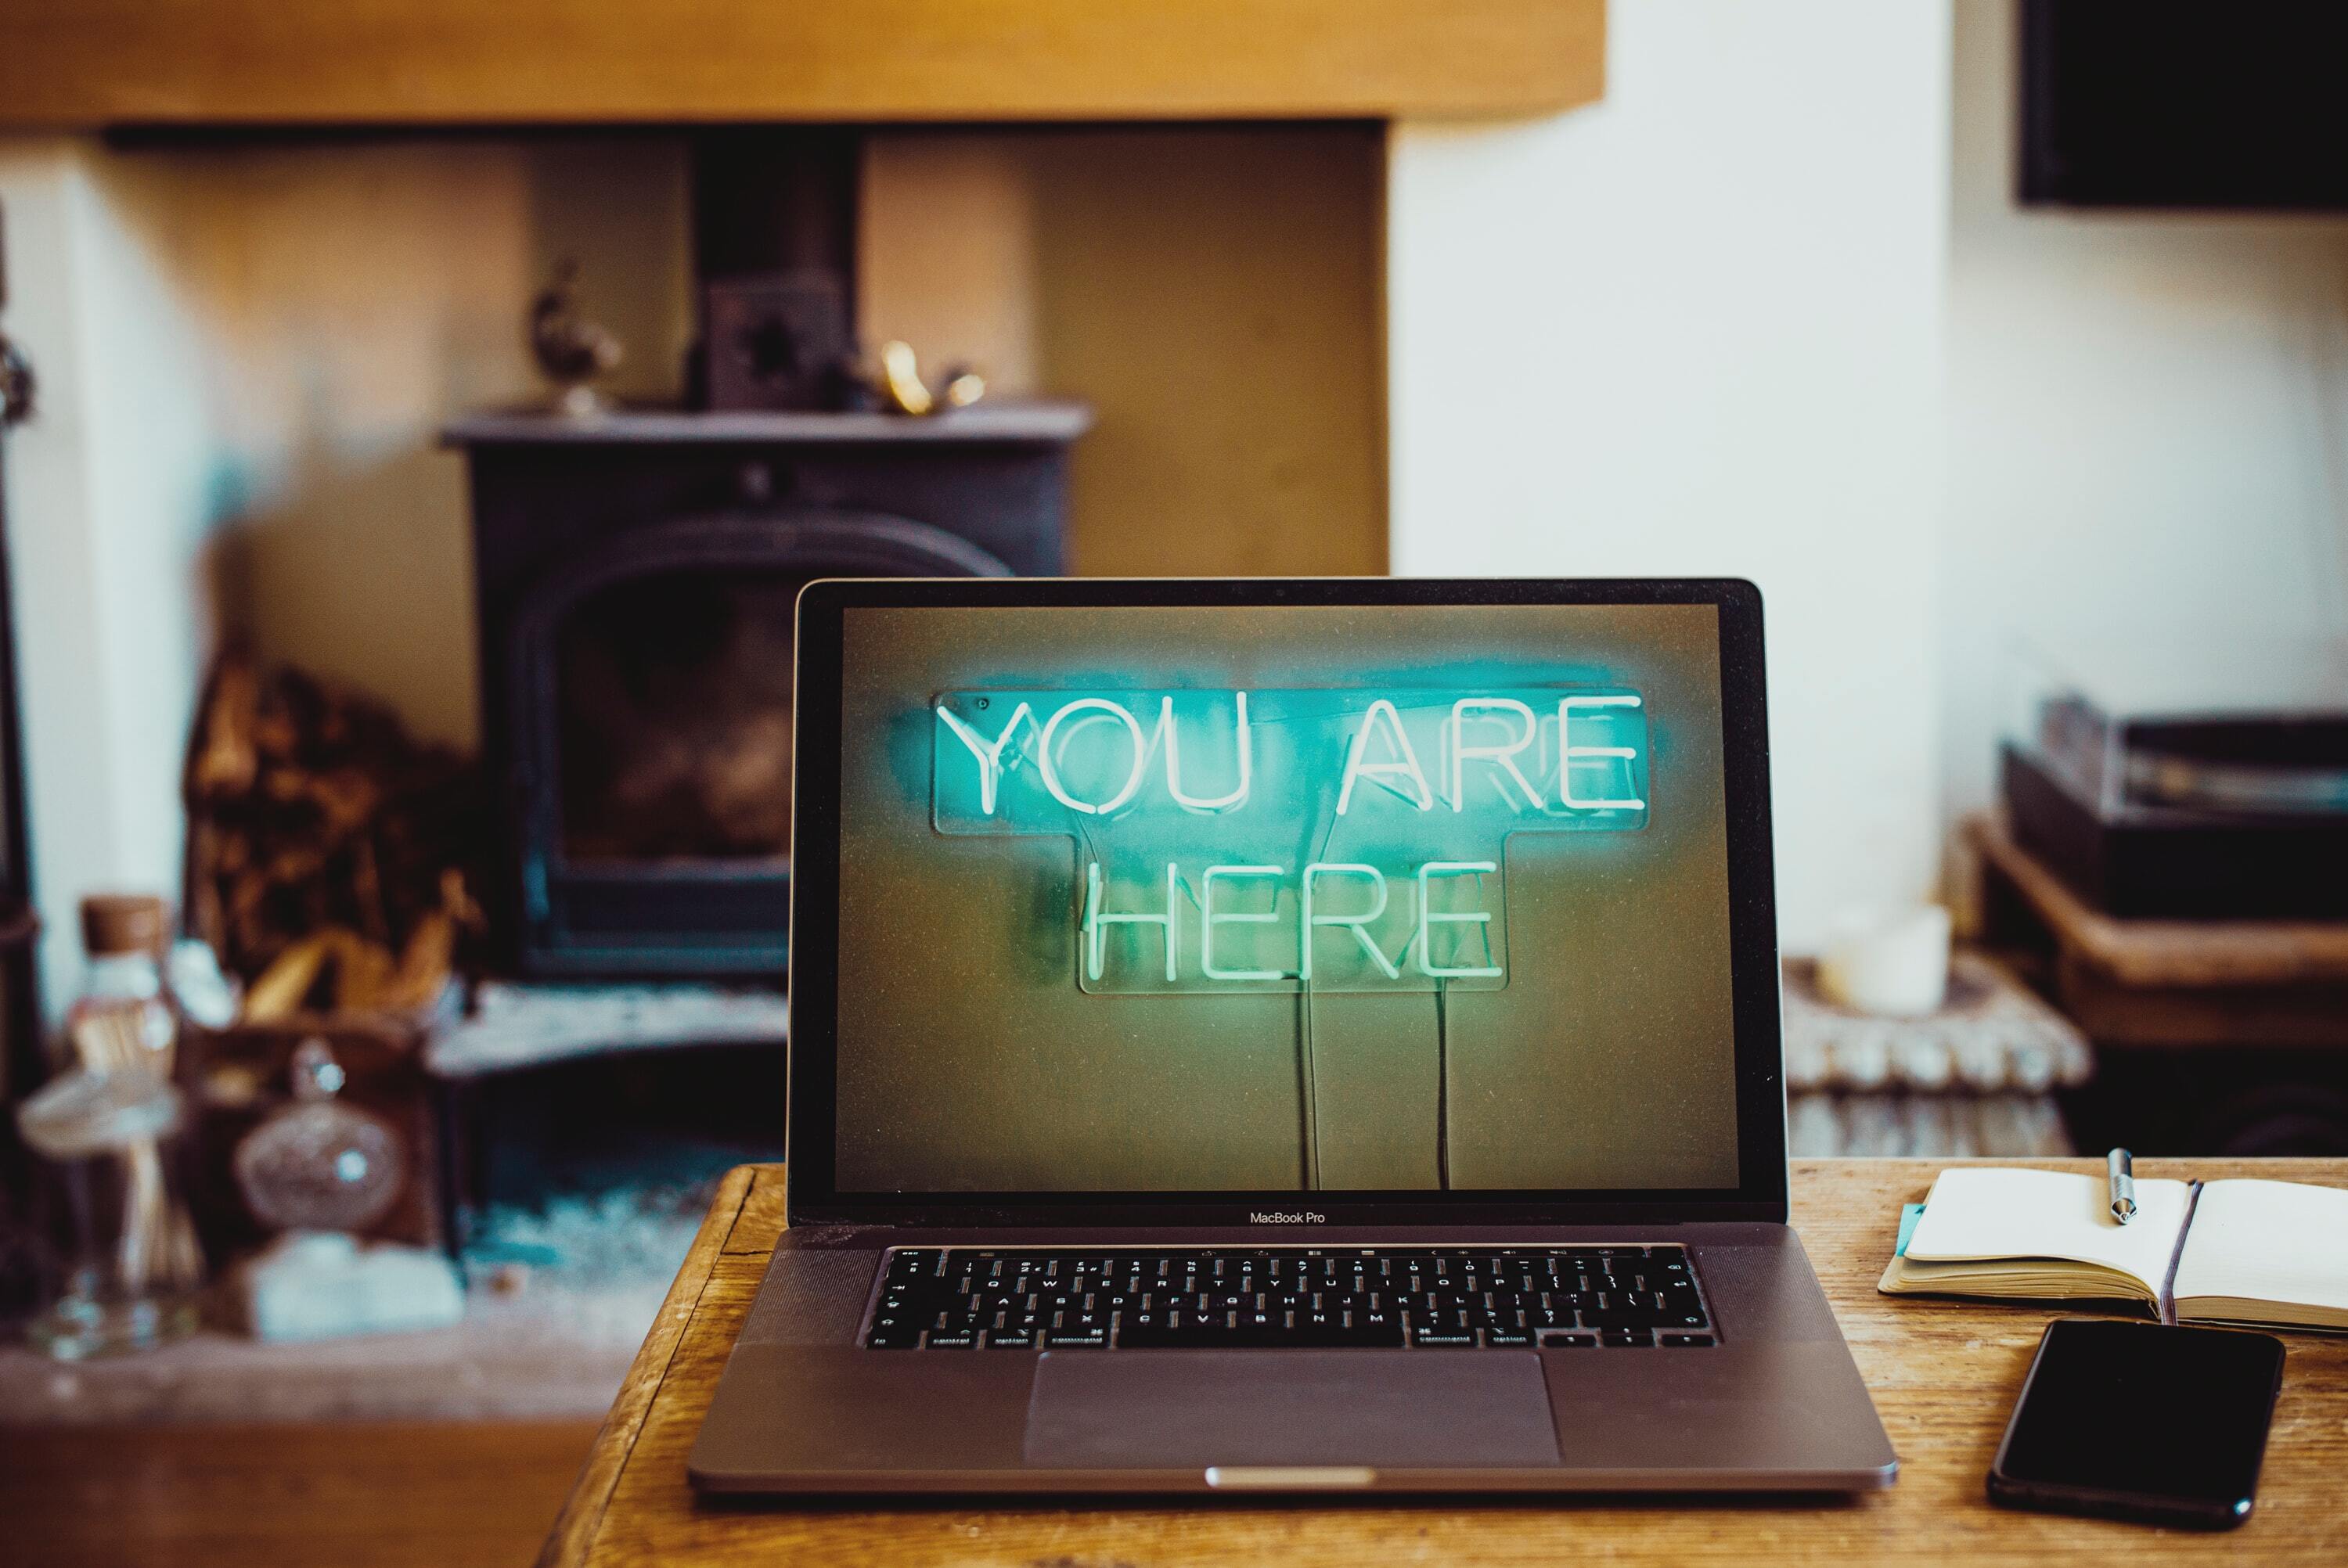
x,y
634,574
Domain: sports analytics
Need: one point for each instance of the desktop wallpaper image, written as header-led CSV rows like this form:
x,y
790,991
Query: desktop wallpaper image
x,y
1311,898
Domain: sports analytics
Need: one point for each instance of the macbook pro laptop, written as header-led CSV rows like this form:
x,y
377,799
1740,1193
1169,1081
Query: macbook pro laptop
x,y
1285,1035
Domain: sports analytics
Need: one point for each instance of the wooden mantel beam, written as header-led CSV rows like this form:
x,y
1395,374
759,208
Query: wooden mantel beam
x,y
80,64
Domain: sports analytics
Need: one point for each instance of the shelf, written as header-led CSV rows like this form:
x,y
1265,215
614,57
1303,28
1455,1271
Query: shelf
x,y
2154,954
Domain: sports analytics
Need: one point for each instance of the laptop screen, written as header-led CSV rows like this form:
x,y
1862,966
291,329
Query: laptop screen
x,y
1321,898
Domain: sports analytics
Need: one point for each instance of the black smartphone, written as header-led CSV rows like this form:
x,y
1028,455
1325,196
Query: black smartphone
x,y
2141,1420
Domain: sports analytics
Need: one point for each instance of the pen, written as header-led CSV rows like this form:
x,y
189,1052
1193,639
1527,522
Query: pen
x,y
2121,1166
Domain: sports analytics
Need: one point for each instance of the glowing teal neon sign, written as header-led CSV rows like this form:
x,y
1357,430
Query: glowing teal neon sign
x,y
1273,840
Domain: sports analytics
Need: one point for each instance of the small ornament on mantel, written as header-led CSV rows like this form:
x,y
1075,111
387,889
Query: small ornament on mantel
x,y
902,390
572,352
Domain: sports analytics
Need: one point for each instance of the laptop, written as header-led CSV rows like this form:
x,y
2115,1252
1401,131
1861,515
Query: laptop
x,y
1285,1037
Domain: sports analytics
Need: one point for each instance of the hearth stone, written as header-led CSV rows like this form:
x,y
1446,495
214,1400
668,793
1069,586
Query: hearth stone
x,y
506,1026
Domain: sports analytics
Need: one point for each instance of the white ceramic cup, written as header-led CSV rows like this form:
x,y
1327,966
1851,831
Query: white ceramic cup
x,y
1890,962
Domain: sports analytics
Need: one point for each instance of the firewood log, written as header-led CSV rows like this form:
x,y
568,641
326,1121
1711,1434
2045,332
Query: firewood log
x,y
326,850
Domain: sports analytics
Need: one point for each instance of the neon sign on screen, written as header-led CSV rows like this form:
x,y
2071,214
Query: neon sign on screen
x,y
1271,840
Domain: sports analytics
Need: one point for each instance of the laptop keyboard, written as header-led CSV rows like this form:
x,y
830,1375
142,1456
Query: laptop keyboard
x,y
965,1299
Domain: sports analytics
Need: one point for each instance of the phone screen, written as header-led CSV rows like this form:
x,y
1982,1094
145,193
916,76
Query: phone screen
x,y
2142,1419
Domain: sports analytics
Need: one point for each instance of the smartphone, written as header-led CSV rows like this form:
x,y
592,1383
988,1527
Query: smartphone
x,y
2141,1420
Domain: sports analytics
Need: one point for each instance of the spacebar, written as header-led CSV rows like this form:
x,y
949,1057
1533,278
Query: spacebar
x,y
1250,1337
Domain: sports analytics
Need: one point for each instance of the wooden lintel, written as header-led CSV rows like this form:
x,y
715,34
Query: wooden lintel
x,y
84,64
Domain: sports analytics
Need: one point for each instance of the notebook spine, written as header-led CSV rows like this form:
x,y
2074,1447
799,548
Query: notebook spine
x,y
2177,1253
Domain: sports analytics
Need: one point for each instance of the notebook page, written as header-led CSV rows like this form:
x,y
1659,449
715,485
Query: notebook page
x,y
1993,1211
2267,1241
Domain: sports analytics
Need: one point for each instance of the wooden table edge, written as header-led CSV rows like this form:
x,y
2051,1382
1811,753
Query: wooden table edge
x,y
581,1517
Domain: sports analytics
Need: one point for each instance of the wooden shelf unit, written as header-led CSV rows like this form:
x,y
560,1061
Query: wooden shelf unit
x,y
2168,983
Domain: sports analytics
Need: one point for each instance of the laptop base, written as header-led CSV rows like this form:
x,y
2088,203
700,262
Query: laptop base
x,y
1776,1405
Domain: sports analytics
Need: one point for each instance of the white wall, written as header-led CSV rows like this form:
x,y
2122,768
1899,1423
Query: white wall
x,y
246,355
108,510
2147,423
352,298
1696,329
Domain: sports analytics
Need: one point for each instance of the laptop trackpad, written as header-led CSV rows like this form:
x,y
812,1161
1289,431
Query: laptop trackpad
x,y
1188,1409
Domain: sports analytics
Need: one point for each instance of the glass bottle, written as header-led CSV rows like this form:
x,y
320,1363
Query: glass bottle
x,y
108,1124
132,1267
318,1164
122,1018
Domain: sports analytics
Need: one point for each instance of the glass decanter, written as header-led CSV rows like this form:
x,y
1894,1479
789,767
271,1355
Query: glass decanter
x,y
319,1164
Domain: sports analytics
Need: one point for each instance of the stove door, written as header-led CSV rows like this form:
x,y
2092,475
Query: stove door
x,y
651,698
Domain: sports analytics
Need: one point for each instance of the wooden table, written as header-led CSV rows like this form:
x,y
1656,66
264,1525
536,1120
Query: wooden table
x,y
1943,1374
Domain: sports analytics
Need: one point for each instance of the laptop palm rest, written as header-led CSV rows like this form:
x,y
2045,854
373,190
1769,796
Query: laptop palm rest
x,y
1191,1409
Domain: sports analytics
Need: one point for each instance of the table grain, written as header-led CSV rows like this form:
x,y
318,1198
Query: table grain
x,y
1944,1375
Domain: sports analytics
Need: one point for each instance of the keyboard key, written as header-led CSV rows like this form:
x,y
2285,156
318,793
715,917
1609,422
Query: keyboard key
x,y
1218,1337
1447,1339
1684,1341
1622,1317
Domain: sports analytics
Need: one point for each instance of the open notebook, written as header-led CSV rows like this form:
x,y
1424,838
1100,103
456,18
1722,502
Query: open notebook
x,y
2273,1254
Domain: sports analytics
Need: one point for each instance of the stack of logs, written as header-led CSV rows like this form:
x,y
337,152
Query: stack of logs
x,y
327,850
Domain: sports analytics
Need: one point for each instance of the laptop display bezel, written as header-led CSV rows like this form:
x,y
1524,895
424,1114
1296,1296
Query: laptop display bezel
x,y
813,1198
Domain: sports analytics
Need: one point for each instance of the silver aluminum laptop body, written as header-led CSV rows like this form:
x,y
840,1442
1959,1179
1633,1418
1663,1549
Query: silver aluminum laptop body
x,y
987,1063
